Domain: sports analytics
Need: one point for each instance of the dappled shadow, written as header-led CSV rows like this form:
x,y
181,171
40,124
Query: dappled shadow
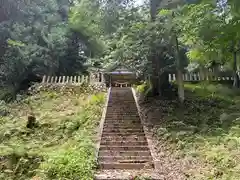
x,y
20,166
200,114
205,128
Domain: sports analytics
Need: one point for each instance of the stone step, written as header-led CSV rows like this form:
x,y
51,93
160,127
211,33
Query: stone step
x,y
124,143
122,126
123,121
125,158
112,174
122,114
124,153
117,130
122,107
105,165
124,138
124,148
122,118
123,134
128,123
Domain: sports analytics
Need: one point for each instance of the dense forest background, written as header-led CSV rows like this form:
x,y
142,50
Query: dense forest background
x,y
66,37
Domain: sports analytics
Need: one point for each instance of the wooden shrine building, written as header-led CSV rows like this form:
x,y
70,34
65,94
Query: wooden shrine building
x,y
119,76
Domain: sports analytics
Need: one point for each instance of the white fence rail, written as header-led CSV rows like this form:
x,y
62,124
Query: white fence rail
x,y
99,78
190,77
74,80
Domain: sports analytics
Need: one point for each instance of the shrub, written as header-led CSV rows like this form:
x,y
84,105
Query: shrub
x,y
75,162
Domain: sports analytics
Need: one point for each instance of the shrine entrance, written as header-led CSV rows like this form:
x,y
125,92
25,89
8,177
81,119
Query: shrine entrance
x,y
120,76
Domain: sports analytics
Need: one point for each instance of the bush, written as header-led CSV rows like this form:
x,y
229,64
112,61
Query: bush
x,y
144,89
67,118
76,162
97,99
205,127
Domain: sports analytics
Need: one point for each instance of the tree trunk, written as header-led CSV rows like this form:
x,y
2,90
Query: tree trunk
x,y
154,77
179,73
154,5
235,75
154,58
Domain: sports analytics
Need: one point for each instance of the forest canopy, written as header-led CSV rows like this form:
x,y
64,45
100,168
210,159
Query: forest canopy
x,y
63,37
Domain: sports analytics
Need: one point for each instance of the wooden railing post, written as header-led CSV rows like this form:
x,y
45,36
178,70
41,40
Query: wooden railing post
x,y
59,80
56,78
44,79
48,79
71,79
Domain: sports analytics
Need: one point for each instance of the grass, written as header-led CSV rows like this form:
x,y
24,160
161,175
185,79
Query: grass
x,y
61,146
206,127
6,93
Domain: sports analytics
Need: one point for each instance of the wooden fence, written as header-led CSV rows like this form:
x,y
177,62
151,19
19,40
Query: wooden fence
x,y
99,78
191,77
74,80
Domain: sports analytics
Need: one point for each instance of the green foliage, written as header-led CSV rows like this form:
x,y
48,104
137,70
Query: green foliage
x,y
71,162
215,90
99,99
205,128
39,37
144,89
61,146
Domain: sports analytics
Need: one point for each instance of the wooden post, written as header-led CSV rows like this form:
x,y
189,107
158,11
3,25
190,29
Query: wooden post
x,y
59,80
52,79
190,77
71,79
207,78
44,79
82,81
195,77
169,78
187,77
103,79
174,77
67,80
86,79
75,79
48,79
63,81
55,81
199,76
97,80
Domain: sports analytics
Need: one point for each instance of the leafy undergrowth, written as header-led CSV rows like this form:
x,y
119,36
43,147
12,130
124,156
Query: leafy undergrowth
x,y
6,93
61,146
206,127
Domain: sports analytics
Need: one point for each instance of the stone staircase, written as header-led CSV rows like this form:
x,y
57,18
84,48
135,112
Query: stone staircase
x,y
123,143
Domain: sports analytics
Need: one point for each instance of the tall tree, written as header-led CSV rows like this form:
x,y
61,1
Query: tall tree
x,y
153,58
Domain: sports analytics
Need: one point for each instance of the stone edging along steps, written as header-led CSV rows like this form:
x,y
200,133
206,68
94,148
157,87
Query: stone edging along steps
x,y
123,144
